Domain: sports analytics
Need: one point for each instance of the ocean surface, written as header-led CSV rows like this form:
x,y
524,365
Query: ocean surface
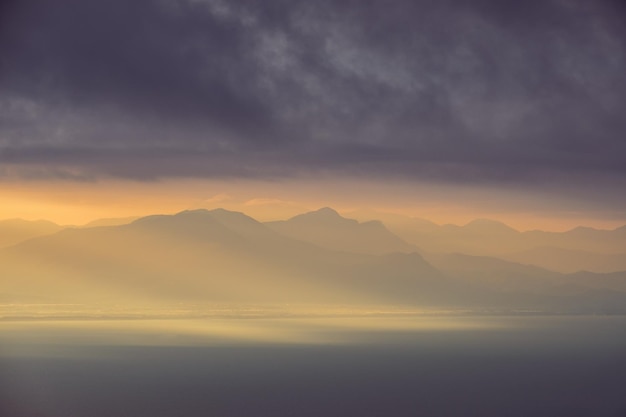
x,y
363,366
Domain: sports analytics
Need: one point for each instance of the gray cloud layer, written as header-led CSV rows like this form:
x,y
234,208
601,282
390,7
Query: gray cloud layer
x,y
469,92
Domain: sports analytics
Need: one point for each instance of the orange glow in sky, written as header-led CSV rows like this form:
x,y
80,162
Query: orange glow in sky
x,y
77,203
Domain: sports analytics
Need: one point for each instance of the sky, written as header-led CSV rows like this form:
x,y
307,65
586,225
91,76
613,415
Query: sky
x,y
445,109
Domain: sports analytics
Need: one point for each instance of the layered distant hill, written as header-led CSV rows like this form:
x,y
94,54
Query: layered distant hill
x,y
202,255
318,257
578,249
13,231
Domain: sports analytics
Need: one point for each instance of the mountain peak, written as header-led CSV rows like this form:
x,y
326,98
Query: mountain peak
x,y
327,228
489,225
326,214
327,211
195,212
232,218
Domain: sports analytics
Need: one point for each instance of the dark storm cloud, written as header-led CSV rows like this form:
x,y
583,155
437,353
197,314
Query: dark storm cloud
x,y
456,91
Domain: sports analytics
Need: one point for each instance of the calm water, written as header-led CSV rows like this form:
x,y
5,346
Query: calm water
x,y
409,366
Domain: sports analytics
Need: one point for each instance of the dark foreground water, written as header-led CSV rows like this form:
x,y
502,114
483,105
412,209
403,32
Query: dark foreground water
x,y
420,366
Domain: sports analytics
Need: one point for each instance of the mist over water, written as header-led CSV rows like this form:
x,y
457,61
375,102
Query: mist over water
x,y
397,365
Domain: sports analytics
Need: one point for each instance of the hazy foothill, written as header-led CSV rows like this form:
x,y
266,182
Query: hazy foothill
x,y
319,257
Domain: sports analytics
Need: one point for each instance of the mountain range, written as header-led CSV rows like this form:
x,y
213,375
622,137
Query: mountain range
x,y
582,248
317,257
